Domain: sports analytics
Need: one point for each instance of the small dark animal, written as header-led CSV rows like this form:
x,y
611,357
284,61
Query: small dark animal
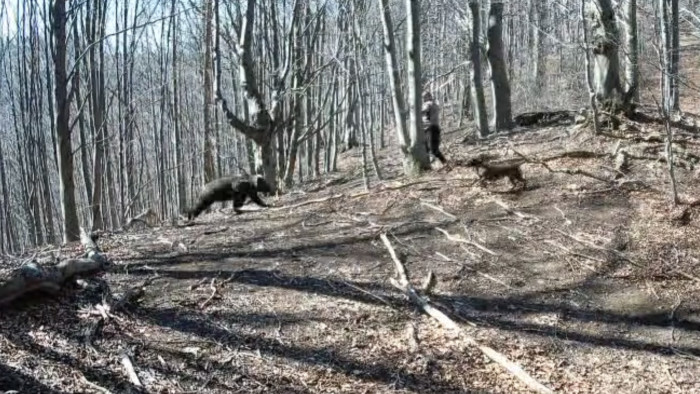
x,y
230,188
492,172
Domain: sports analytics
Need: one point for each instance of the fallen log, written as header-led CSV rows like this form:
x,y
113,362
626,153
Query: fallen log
x,y
34,276
544,118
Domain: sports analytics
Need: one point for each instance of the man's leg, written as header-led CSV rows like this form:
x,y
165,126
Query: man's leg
x,y
426,137
434,135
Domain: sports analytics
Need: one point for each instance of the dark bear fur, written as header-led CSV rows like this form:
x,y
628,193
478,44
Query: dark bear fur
x,y
230,188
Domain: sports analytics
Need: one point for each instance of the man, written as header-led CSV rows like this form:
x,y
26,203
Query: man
x,y
431,125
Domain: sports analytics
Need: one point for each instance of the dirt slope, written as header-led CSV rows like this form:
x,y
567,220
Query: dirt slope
x,y
592,289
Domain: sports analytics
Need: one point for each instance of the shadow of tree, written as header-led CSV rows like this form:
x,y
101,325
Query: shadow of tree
x,y
241,249
100,376
510,309
345,289
196,323
12,379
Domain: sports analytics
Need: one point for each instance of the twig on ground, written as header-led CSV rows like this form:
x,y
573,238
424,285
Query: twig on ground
x,y
476,271
601,248
212,286
466,241
93,385
369,293
403,284
620,254
129,368
431,206
571,252
429,283
567,222
568,171
308,202
512,211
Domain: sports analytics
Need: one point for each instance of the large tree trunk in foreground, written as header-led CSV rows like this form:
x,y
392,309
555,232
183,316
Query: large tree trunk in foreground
x,y
71,229
631,53
675,57
605,41
419,159
96,22
476,85
414,161
500,88
209,171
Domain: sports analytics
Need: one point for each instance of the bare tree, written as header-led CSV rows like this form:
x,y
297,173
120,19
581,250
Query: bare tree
x,y
675,57
631,53
95,23
71,227
6,228
264,126
500,87
420,160
177,138
209,171
537,15
605,39
476,85
589,79
415,157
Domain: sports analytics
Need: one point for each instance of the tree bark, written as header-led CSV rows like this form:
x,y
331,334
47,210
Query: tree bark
x,y
97,97
675,57
209,171
71,228
476,85
537,14
631,53
264,126
418,160
605,40
500,87
415,157
179,162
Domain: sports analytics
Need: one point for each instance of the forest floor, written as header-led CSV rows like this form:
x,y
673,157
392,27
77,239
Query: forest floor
x,y
590,286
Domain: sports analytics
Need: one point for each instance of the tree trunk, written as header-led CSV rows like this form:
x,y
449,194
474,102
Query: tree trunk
x,y
333,130
606,65
264,127
209,171
675,57
476,85
664,21
6,214
179,162
97,98
415,157
418,160
297,110
500,87
71,226
537,14
631,53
